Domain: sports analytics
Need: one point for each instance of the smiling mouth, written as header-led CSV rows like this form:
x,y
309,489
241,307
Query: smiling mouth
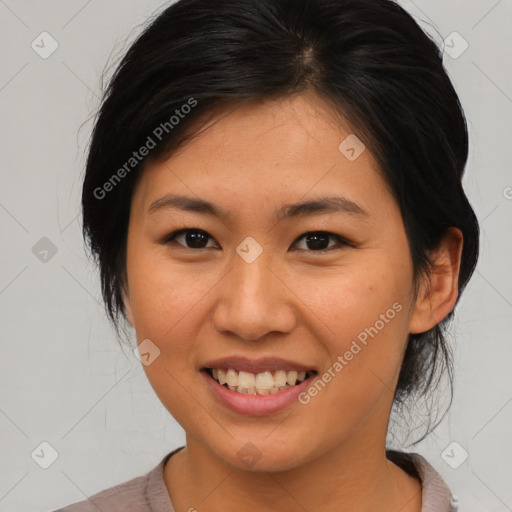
x,y
264,383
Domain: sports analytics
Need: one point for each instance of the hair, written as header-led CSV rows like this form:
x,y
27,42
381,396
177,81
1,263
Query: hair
x,y
367,59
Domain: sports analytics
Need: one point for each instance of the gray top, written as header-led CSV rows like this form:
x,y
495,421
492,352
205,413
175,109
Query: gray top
x,y
148,493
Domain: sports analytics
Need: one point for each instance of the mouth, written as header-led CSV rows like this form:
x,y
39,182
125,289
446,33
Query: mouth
x,y
267,382
258,386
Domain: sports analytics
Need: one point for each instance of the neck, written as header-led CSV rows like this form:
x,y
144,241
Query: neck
x,y
349,478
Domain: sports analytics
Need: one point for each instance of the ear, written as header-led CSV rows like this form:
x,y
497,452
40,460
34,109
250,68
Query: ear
x,y
127,308
438,291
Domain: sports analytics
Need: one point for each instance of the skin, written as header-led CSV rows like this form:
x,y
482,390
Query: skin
x,y
291,302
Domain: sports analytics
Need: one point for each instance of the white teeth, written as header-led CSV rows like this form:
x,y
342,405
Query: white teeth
x,y
247,391
291,378
221,376
263,383
246,380
232,378
280,378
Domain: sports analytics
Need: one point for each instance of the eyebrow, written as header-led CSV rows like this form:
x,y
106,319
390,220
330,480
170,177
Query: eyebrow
x,y
327,204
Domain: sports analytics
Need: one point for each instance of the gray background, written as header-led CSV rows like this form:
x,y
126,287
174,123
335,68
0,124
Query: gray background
x,y
64,378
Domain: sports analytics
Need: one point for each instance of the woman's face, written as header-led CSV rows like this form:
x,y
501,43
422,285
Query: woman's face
x,y
257,289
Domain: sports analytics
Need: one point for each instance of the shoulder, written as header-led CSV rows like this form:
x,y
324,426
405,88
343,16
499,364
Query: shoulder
x,y
146,493
130,495
436,495
456,503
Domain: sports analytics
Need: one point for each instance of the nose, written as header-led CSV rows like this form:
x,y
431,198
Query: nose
x,y
254,301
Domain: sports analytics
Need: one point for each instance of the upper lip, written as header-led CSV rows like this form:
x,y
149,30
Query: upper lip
x,y
258,365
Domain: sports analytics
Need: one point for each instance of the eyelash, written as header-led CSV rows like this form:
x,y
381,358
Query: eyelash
x,y
170,239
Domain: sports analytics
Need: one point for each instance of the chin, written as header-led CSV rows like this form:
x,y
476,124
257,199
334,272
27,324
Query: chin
x,y
262,454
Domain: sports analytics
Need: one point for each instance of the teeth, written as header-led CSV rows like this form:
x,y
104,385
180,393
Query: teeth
x,y
291,378
247,391
246,380
221,376
280,379
263,383
232,378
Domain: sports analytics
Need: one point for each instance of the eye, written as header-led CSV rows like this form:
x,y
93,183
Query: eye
x,y
318,241
189,238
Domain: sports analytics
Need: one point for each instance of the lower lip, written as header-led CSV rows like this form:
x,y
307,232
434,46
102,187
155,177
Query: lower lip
x,y
255,405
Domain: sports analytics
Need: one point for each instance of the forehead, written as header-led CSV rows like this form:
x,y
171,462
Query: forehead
x,y
270,152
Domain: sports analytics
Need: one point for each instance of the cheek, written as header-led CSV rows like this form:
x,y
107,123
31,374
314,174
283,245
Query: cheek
x,y
363,313
163,294
166,304
351,298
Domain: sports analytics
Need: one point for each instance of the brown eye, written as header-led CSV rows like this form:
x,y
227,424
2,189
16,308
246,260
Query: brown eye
x,y
318,241
315,241
190,238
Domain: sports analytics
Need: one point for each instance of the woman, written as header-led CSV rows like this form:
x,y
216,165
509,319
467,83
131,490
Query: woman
x,y
273,194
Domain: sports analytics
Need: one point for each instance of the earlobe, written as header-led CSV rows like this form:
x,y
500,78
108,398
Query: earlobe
x,y
439,290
